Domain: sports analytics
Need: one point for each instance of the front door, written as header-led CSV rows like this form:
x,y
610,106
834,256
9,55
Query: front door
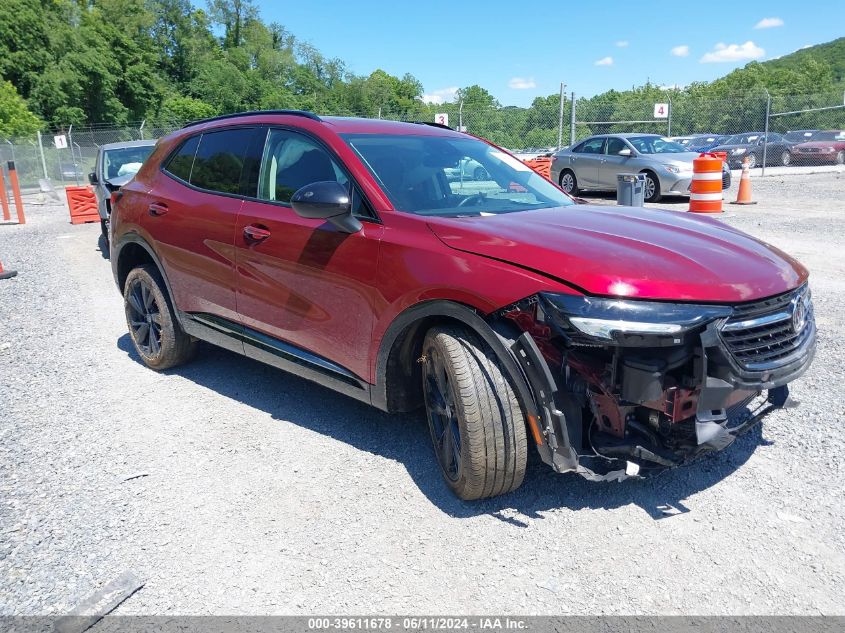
x,y
301,281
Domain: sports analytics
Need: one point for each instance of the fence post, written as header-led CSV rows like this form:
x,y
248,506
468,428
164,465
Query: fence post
x,y
43,160
572,119
461,117
669,117
560,119
766,130
141,129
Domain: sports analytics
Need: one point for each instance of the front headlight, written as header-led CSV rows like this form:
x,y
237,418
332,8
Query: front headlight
x,y
738,150
672,169
626,321
829,150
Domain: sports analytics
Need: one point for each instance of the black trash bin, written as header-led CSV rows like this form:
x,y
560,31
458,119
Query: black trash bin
x,y
630,190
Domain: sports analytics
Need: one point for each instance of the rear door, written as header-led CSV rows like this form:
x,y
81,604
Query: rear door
x,y
192,213
586,161
304,287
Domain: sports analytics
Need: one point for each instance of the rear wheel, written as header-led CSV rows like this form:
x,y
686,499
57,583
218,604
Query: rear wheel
x,y
785,158
480,174
159,339
568,182
477,426
651,188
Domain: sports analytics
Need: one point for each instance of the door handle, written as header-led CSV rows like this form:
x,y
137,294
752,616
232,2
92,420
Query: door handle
x,y
157,208
255,234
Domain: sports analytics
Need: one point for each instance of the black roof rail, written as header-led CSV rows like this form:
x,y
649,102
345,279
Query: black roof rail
x,y
432,124
222,117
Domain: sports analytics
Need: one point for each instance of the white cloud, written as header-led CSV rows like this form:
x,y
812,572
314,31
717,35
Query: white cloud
x,y
733,53
768,23
805,46
680,51
671,86
605,61
441,96
522,83
622,43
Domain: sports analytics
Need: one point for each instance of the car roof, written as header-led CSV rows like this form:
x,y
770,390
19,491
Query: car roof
x,y
120,144
625,135
338,124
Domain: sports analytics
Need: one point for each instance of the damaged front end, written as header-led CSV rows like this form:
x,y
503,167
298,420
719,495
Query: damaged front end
x,y
626,387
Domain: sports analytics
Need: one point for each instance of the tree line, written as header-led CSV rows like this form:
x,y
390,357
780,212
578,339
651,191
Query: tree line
x,y
113,62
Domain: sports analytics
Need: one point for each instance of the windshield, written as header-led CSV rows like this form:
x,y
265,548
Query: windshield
x,y
801,135
655,145
836,135
452,176
743,139
124,161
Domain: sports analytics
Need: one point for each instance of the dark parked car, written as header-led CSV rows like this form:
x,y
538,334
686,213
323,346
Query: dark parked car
x,y
706,142
826,147
618,341
115,165
750,145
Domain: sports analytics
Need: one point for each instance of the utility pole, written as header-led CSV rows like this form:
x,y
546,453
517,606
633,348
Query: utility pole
x,y
41,150
572,119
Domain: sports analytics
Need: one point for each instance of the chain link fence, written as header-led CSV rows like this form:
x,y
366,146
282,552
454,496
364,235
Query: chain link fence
x,y
550,123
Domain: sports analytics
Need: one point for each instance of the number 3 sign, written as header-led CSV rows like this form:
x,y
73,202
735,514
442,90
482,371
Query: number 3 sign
x,y
442,118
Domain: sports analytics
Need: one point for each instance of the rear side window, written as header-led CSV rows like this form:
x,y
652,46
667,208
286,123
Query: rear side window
x,y
219,160
181,162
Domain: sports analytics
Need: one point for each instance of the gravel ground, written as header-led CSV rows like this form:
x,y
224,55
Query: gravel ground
x,y
263,493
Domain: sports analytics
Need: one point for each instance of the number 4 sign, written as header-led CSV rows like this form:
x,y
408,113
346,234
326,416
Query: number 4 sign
x,y
661,110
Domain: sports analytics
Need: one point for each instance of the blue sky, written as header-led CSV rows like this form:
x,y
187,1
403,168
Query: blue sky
x,y
520,50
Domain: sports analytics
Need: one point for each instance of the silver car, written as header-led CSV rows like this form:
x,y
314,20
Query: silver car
x,y
116,161
595,162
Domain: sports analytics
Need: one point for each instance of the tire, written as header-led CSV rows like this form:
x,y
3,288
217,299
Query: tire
x,y
568,182
840,157
752,161
652,184
104,228
480,174
157,336
785,158
477,426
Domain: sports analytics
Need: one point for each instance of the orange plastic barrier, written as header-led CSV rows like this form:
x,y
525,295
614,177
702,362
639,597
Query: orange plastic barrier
x,y
706,188
7,274
4,200
82,204
542,165
16,191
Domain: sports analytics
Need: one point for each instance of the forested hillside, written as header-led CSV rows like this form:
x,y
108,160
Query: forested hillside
x,y
118,61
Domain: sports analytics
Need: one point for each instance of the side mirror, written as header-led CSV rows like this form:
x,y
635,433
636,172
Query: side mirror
x,y
92,178
326,200
625,152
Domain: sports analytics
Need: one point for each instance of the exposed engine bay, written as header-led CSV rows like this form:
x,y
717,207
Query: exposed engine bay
x,y
625,388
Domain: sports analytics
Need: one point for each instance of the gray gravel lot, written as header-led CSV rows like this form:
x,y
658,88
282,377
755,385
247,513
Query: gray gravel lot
x,y
264,493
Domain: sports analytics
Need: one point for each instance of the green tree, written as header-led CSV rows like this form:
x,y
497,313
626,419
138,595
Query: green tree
x,y
15,117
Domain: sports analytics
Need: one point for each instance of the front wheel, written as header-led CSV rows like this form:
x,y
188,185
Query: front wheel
x,y
651,188
752,161
785,158
477,426
840,157
480,174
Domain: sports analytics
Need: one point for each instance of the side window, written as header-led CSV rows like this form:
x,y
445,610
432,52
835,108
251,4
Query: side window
x,y
292,161
578,148
614,146
593,146
182,161
219,160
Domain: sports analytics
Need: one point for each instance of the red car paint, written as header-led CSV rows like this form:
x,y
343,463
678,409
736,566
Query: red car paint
x,y
336,294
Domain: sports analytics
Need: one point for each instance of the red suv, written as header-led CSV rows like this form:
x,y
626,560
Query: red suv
x,y
358,254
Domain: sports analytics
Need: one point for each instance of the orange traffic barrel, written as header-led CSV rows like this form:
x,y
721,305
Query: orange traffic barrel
x,y
542,165
706,188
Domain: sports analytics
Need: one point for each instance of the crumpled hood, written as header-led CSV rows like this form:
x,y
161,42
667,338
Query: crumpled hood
x,y
636,252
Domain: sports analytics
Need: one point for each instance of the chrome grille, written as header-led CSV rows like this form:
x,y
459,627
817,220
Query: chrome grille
x,y
762,335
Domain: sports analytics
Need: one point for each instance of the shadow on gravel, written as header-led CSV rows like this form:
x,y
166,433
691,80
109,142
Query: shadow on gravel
x,y
103,247
404,438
